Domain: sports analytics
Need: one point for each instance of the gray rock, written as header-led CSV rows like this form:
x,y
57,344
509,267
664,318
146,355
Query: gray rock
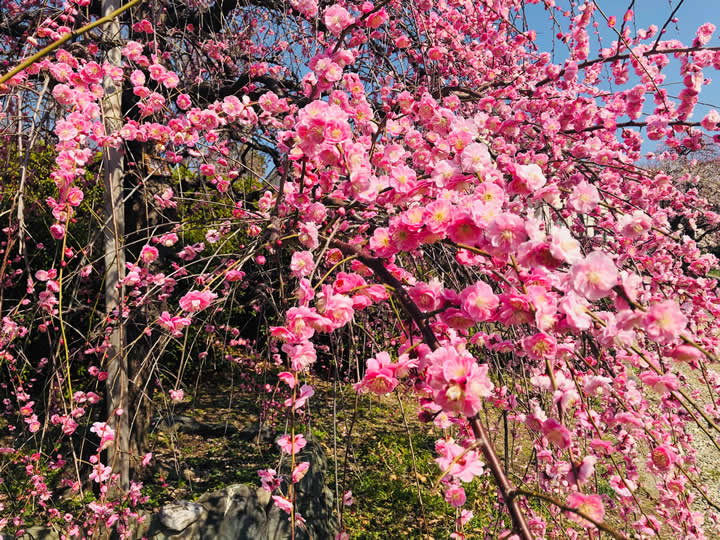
x,y
180,515
38,533
189,425
242,512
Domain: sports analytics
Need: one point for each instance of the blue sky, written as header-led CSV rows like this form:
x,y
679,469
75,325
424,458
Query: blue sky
x,y
691,14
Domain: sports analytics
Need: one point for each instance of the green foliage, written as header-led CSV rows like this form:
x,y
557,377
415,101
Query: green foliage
x,y
201,207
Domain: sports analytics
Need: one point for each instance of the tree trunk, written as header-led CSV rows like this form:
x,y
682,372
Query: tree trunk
x,y
114,231
140,183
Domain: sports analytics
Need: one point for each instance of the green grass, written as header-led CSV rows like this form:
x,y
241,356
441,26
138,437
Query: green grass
x,y
382,477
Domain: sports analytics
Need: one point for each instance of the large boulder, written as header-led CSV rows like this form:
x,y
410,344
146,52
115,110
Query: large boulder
x,y
241,512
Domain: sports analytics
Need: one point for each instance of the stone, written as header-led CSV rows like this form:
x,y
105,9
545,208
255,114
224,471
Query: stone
x,y
180,515
37,533
242,512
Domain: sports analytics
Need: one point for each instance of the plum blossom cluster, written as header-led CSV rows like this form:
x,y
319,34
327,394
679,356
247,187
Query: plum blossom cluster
x,y
470,208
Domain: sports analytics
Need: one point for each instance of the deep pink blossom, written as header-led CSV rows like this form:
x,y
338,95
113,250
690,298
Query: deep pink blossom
x,y
291,445
197,300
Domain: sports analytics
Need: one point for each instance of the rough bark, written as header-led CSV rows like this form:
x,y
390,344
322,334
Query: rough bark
x,y
113,233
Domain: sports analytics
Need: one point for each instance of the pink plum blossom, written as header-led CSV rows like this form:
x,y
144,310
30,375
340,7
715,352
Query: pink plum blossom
x,y
634,225
590,505
662,384
556,433
100,473
595,276
540,346
337,18
306,392
173,324
584,198
148,254
195,301
455,496
686,353
291,445
458,382
662,457
563,246
711,120
288,378
105,432
528,178
479,301
302,355
505,233
302,264
475,157
300,471
426,295
284,504
269,479
664,321
458,462
379,376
